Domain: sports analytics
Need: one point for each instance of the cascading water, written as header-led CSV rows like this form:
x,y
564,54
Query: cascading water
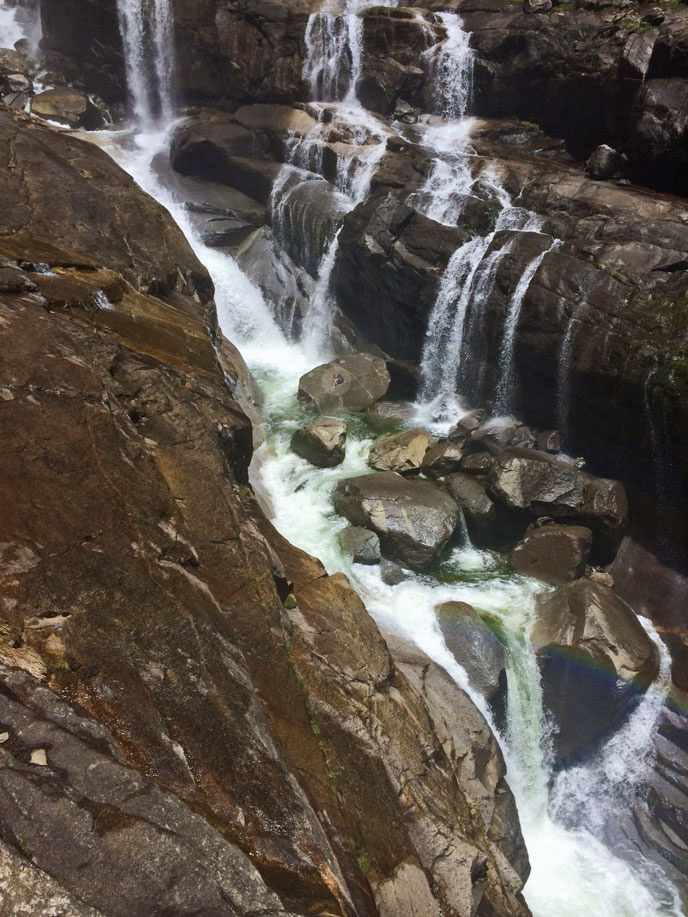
x,y
573,873
334,45
334,40
507,364
147,34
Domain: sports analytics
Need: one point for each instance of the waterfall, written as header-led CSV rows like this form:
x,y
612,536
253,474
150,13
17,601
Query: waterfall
x,y
444,337
334,50
147,28
452,69
507,368
564,368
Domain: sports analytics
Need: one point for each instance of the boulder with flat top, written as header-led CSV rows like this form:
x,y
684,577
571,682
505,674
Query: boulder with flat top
x,y
350,383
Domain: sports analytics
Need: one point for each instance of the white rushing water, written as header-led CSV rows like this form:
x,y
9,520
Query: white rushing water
x,y
573,873
334,46
147,34
506,382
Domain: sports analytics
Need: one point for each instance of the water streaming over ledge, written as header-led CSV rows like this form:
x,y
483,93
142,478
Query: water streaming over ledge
x,y
573,873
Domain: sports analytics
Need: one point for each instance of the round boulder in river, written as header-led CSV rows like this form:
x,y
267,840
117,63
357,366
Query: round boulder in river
x,y
414,519
322,443
595,658
349,383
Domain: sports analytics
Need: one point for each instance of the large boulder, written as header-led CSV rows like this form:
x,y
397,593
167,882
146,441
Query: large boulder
x,y
401,452
475,643
595,658
414,519
555,554
322,443
67,106
543,485
349,383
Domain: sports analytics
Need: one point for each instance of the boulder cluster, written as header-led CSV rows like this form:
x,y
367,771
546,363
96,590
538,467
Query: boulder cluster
x,y
509,488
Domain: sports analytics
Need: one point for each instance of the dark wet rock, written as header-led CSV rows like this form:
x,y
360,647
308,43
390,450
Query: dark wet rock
x,y
68,107
549,441
391,573
478,507
322,443
555,554
524,437
362,545
604,163
477,463
657,143
414,519
595,658
405,376
443,458
350,383
394,41
475,643
309,214
401,452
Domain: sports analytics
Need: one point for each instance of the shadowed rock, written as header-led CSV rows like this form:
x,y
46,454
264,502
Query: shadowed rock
x,y
555,554
595,658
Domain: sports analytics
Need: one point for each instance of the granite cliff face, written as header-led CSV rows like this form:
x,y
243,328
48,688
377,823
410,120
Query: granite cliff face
x,y
160,707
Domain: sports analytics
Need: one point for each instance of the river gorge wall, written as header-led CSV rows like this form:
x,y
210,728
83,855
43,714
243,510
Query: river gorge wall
x,y
204,720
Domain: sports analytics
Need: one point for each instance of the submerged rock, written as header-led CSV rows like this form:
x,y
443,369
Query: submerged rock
x,y
401,452
362,545
555,554
350,383
595,658
414,519
322,443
